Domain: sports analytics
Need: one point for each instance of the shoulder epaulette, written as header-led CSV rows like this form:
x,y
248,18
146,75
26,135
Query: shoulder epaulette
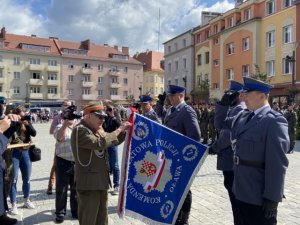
x,y
275,113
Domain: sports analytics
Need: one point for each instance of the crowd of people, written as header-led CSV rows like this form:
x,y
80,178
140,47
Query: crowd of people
x,y
249,137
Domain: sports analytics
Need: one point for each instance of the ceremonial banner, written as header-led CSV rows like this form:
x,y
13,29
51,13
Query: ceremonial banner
x,y
158,168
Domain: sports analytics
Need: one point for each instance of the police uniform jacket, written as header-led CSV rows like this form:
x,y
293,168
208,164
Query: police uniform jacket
x,y
152,115
222,146
183,120
90,154
263,142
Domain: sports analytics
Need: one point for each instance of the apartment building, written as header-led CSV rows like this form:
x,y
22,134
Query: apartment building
x,y
153,77
256,34
179,61
34,69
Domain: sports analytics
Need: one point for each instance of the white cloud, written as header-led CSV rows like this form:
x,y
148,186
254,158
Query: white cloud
x,y
132,23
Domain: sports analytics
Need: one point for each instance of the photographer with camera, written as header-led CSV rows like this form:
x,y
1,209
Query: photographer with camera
x,y
111,124
58,119
64,168
21,160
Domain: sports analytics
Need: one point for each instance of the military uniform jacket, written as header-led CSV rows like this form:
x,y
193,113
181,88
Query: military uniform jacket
x,y
291,118
264,139
183,120
152,115
222,146
90,154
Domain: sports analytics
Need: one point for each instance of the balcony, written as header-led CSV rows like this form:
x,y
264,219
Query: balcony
x,y
52,82
1,65
52,96
88,97
115,85
114,72
35,67
52,68
87,84
115,97
38,82
86,70
36,95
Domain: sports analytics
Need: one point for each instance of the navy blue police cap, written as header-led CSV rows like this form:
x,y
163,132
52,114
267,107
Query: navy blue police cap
x,y
235,86
174,89
251,84
145,99
2,100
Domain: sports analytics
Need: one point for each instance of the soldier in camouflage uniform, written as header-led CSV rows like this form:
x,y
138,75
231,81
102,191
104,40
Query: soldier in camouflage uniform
x,y
291,118
204,123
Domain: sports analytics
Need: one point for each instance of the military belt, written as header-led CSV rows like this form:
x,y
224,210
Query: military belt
x,y
255,164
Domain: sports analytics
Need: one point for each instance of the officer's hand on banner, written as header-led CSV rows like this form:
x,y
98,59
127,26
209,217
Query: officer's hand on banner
x,y
269,208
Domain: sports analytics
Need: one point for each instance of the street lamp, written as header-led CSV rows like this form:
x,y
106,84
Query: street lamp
x,y
184,81
27,94
292,60
140,88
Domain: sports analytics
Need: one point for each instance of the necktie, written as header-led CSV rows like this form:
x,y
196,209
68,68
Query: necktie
x,y
250,117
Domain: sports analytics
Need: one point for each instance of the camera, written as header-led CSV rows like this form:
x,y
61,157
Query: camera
x,y
109,109
70,113
26,117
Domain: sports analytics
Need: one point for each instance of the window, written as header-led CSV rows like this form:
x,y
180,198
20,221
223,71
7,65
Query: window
x,y
246,43
114,80
100,67
287,66
52,90
169,82
184,43
184,63
86,91
52,62
100,80
52,76
207,57
287,34
70,92
270,68
207,34
176,81
169,67
230,22
125,70
287,3
113,68
247,15
113,92
270,39
1,88
176,65
199,38
17,75
230,48
215,29
100,93
270,7
35,90
16,60
86,78
36,47
16,90
229,74
216,62
1,74
246,70
35,75
35,61
216,41
169,49
125,94
70,65
199,79
215,85
199,59
176,46
71,78
125,81
86,65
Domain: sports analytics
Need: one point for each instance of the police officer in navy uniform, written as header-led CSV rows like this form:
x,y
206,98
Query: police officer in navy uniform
x,y
147,110
260,140
222,146
182,118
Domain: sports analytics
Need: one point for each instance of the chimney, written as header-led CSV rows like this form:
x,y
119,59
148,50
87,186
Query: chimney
x,y
125,50
86,44
116,47
3,33
33,35
56,38
105,45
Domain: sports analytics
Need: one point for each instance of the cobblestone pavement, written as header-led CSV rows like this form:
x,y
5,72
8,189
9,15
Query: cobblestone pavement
x,y
210,200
